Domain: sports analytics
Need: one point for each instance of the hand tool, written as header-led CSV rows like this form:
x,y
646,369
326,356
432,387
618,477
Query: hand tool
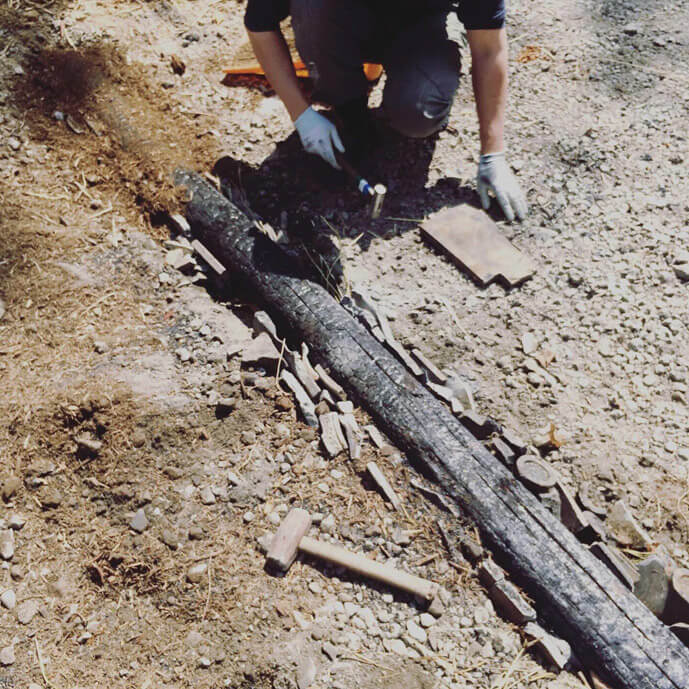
x,y
291,538
375,191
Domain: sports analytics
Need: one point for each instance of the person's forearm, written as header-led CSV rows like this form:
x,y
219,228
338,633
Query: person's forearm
x,y
489,79
273,54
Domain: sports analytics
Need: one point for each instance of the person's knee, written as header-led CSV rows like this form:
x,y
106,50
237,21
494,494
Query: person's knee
x,y
420,106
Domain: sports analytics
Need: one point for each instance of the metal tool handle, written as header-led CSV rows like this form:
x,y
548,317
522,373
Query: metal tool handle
x,y
369,568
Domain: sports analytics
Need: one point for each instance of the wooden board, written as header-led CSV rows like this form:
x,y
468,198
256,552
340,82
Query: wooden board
x,y
573,591
475,242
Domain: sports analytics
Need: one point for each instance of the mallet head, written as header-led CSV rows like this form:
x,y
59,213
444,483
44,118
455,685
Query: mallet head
x,y
285,544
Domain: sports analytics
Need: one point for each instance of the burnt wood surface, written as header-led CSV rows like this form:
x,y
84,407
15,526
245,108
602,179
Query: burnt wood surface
x,y
608,627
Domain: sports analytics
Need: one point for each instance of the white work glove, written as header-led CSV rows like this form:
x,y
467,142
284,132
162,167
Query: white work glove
x,y
319,135
494,175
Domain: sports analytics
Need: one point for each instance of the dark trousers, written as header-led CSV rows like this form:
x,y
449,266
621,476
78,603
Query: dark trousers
x,y
410,40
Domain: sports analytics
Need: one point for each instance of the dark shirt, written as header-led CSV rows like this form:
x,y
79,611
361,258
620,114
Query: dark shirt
x,y
266,15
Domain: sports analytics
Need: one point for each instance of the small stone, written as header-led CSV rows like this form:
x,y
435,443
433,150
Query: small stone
x,y
631,29
264,541
401,537
7,656
60,587
50,498
87,445
625,529
138,438
207,497
169,537
225,405
248,516
14,143
350,608
416,632
248,437
40,467
8,599
395,646
330,650
315,587
426,620
306,672
26,611
682,272
606,347
7,544
139,522
173,472
436,608
183,354
196,572
471,550
205,662
482,615
193,639
10,486
195,533
529,343
328,525
16,572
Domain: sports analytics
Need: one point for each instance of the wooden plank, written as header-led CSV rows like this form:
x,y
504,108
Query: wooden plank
x,y
574,592
475,242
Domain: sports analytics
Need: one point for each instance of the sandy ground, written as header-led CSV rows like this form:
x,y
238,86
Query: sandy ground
x,y
96,328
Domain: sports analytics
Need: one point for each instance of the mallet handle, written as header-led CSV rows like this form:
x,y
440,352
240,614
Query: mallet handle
x,y
369,568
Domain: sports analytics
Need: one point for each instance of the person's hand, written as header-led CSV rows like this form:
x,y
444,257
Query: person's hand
x,y
319,135
494,175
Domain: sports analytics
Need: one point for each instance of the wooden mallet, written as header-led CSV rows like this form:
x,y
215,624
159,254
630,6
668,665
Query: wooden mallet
x,y
291,538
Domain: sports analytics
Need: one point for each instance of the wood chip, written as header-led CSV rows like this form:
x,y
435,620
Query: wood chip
x,y
301,371
329,384
376,436
351,431
208,258
384,485
511,604
306,405
332,438
554,651
434,373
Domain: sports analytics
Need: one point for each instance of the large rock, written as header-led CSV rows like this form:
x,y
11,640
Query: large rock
x,y
625,529
261,352
653,586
